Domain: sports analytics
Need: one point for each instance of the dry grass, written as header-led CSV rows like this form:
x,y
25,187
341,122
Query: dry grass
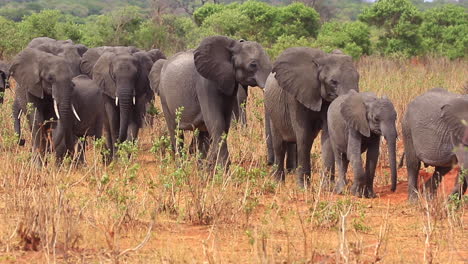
x,y
154,209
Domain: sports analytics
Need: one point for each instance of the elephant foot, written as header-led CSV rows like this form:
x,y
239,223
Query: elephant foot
x,y
279,175
339,187
270,161
303,181
362,190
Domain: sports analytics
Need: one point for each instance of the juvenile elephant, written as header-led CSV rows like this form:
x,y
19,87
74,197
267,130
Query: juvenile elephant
x,y
4,75
433,132
200,87
123,80
45,81
355,123
298,92
88,101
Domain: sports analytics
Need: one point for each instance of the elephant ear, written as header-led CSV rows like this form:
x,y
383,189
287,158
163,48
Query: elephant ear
x,y
213,60
145,63
155,75
81,49
455,116
156,55
296,72
354,113
89,59
25,71
102,74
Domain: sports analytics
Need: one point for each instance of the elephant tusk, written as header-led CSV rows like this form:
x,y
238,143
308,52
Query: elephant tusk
x,y
20,113
75,113
134,100
56,109
116,101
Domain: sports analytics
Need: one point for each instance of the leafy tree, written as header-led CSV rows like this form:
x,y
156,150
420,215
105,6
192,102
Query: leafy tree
x,y
445,31
399,20
202,13
8,45
297,20
114,28
284,42
352,38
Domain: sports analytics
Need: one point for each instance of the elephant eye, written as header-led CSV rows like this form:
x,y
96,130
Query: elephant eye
x,y
50,78
334,82
253,65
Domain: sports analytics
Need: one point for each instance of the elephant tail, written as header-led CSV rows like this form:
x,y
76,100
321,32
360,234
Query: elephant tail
x,y
402,160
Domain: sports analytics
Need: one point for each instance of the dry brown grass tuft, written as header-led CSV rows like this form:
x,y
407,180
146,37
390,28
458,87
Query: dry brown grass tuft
x,y
152,208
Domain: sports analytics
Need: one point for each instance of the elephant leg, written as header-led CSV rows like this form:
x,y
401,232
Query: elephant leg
x,y
304,145
269,141
17,113
291,157
342,163
38,133
81,146
372,158
279,147
132,131
113,121
354,155
432,184
200,144
413,165
203,143
328,157
461,185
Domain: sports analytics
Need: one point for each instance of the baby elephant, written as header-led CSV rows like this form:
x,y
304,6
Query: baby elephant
x,y
88,116
434,133
355,123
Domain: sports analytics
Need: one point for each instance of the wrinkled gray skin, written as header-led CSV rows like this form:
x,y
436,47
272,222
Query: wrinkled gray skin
x,y
42,78
62,48
123,79
91,56
355,123
89,104
204,82
433,133
298,92
4,75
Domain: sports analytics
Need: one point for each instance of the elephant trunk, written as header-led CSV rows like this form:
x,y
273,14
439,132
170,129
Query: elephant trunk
x,y
391,143
125,102
65,122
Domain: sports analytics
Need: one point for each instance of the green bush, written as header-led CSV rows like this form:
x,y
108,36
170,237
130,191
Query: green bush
x,y
284,42
445,31
399,20
353,38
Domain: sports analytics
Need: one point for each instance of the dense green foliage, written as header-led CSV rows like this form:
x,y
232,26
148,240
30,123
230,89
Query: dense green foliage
x,y
445,31
400,21
387,27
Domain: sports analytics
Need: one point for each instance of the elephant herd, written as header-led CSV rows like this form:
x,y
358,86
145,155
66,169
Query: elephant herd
x,y
76,92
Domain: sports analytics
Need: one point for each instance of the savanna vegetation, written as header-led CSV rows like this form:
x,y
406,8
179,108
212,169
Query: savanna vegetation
x,y
151,206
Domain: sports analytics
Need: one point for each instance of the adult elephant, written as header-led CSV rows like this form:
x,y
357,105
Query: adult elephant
x,y
45,81
91,56
199,87
88,102
123,79
298,92
4,75
356,121
433,133
62,48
